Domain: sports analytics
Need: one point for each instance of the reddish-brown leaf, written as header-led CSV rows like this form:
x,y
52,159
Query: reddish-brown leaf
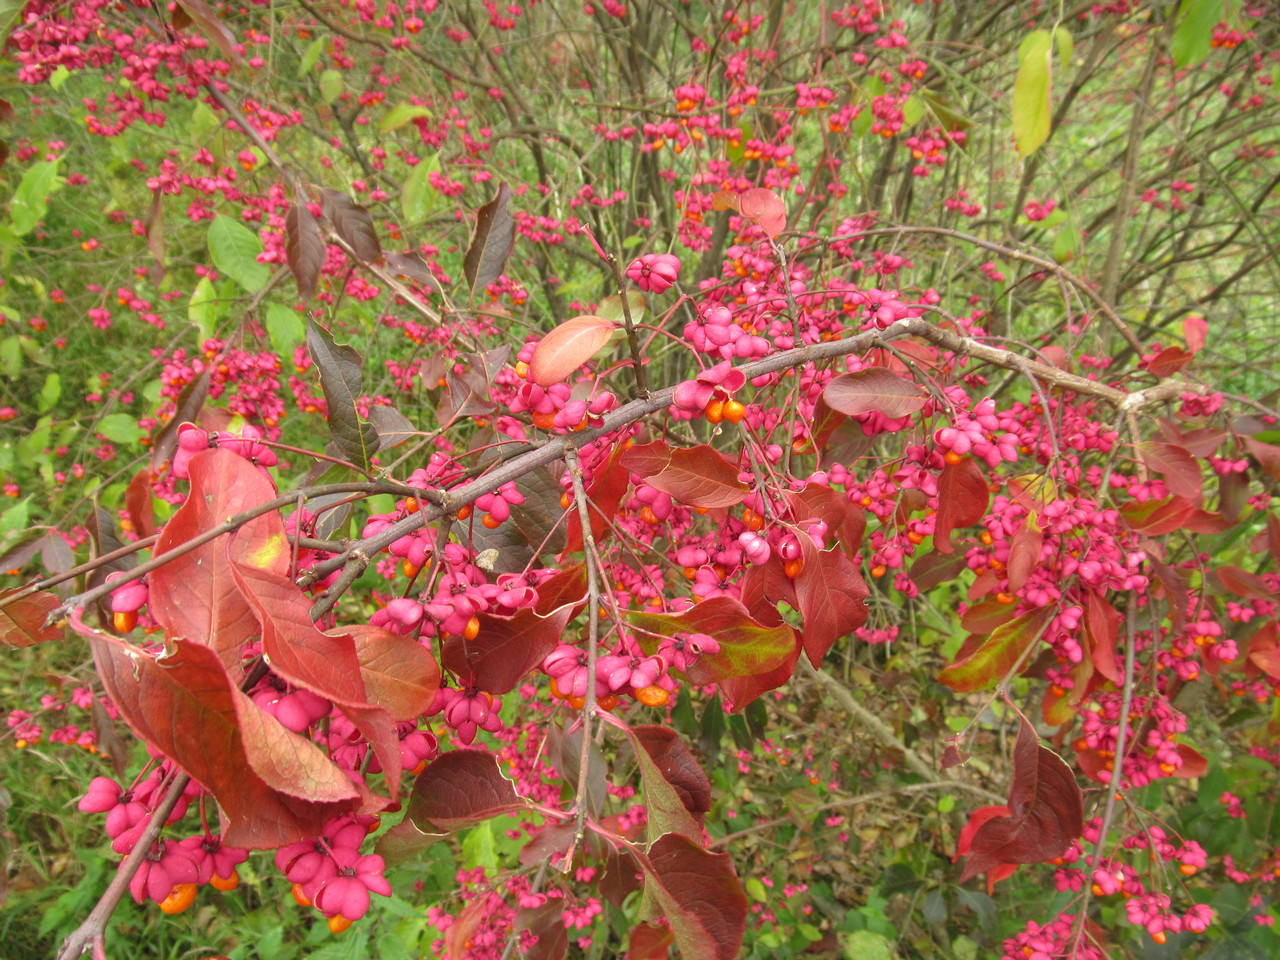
x,y
1169,361
1264,652
307,658
986,616
1024,554
765,209
962,501
1175,464
567,347
832,597
699,894
505,649
400,674
1157,517
1102,623
873,390
932,569
137,501
647,942
846,524
352,223
1194,763
22,621
747,647
608,485
198,12
1046,811
677,793
491,243
459,789
1243,583
190,399
698,476
567,586
273,786
1267,455
194,596
546,923
740,692
991,660
304,248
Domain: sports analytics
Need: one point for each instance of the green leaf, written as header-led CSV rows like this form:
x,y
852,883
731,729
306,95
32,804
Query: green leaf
x,y
1194,33
331,85
996,654
755,890
28,207
1031,107
310,56
401,114
11,356
1066,245
912,111
121,428
16,517
285,328
417,196
50,393
1066,45
478,849
204,308
235,249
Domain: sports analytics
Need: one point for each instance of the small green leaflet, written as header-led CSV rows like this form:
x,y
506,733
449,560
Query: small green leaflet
x,y
120,428
401,114
28,207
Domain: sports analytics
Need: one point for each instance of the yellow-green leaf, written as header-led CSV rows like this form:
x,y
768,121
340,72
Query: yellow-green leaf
x,y
1031,107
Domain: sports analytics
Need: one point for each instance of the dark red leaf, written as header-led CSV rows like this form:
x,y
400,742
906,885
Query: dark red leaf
x,y
846,524
194,596
22,621
491,243
505,649
698,476
1046,811
1102,623
647,942
411,266
873,390
1175,464
675,763
832,597
962,501
567,586
567,347
1194,763
824,424
190,399
546,923
932,569
352,223
1024,554
1264,653
982,618
341,380
740,692
459,789
400,674
304,248
1267,455
699,894
1169,361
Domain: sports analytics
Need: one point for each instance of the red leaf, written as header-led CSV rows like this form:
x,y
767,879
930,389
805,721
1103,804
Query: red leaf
x,y
459,789
698,476
1157,517
846,524
505,649
1024,554
1268,456
995,656
567,586
22,622
873,390
400,674
546,923
190,399
492,242
824,424
1263,651
1194,763
1244,584
568,347
739,692
832,596
747,647
273,786
699,894
1194,329
199,13
1175,464
962,501
1102,622
1169,361
932,569
608,486
765,209
982,618
195,596
1046,812
326,665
